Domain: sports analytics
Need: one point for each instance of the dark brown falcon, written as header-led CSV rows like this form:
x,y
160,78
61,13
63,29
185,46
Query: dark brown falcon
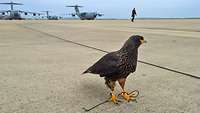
x,y
116,66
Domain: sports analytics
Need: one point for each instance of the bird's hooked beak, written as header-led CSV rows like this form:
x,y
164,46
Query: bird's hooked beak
x,y
143,41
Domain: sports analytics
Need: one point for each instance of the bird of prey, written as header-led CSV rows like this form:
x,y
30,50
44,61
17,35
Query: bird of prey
x,y
117,65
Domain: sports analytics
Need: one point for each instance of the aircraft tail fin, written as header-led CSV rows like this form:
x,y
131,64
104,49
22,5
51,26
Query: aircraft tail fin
x,y
76,7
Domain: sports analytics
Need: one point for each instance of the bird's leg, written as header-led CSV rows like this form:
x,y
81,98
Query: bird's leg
x,y
114,97
111,85
127,96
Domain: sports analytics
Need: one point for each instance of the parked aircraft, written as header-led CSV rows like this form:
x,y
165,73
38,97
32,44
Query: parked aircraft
x,y
84,15
14,14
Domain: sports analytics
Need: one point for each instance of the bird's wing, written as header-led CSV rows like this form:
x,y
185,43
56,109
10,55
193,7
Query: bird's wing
x,y
107,65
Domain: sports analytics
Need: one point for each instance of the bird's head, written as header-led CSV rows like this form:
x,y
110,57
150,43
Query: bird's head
x,y
134,42
137,39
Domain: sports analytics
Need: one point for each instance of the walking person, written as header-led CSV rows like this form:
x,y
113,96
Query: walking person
x,y
133,14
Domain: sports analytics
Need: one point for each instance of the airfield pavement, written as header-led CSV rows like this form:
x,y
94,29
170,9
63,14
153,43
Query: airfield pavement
x,y
41,73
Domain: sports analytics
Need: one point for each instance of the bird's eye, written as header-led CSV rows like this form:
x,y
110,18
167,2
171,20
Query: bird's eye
x,y
142,38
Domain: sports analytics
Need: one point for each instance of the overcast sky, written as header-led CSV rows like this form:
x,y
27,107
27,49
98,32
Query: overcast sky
x,y
116,8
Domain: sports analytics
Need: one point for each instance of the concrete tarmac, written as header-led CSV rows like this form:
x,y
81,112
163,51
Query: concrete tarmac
x,y
41,73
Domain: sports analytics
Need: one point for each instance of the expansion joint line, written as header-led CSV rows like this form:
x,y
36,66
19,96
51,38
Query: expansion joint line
x,y
94,48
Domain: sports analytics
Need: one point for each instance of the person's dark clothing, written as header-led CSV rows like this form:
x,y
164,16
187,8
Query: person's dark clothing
x,y
133,15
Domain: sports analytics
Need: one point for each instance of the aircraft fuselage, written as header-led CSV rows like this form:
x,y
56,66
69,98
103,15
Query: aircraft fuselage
x,y
14,15
87,15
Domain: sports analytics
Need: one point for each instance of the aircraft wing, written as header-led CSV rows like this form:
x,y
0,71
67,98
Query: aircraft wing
x,y
33,13
5,11
74,6
72,14
2,11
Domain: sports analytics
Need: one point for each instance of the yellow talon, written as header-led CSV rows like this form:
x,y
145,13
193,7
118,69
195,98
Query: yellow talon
x,y
114,98
128,96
